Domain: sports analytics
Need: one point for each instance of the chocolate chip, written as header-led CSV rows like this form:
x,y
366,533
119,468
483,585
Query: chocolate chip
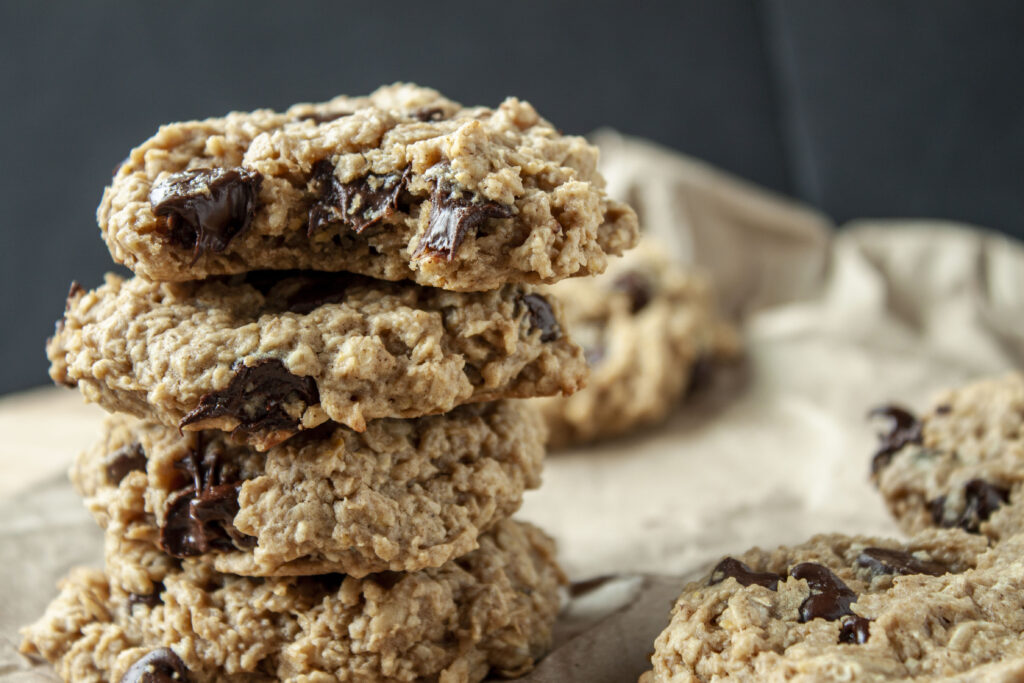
x,y
887,561
542,317
452,215
830,598
426,114
854,630
130,458
904,429
256,396
200,516
207,207
981,499
358,204
324,117
150,600
159,666
74,290
637,287
731,567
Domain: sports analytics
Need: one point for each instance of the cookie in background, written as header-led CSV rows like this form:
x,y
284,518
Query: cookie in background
x,y
650,330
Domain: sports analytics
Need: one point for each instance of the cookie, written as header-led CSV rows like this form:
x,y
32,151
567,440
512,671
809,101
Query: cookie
x,y
491,610
960,464
402,496
649,328
402,184
267,355
841,608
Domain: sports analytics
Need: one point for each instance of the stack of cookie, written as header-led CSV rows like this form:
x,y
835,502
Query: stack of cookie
x,y
313,459
947,604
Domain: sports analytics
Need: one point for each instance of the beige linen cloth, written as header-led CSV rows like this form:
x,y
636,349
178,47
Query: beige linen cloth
x,y
835,323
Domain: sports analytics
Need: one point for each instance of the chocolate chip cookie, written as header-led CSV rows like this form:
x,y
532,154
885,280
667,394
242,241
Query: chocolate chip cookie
x,y
402,184
402,496
842,608
268,354
649,329
490,611
959,464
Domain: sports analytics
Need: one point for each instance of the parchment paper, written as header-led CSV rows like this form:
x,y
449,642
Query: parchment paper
x,y
774,451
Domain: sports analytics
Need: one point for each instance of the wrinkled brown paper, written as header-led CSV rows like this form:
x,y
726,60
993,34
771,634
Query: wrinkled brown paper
x,y
834,323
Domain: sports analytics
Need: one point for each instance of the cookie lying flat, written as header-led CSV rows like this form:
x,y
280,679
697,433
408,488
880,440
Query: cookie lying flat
x,y
404,495
402,184
491,611
267,356
961,464
648,328
844,608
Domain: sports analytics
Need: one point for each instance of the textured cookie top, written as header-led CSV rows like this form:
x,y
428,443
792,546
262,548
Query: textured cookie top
x,y
960,464
404,495
266,355
491,611
402,184
649,329
852,609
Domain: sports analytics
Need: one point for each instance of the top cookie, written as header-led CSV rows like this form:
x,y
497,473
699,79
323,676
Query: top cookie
x,y
960,464
402,184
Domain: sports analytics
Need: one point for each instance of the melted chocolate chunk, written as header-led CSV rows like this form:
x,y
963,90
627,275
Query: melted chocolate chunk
x,y
854,630
542,317
207,207
130,458
637,287
452,215
358,204
150,600
981,499
886,561
731,567
904,429
159,666
256,397
830,598
200,516
426,114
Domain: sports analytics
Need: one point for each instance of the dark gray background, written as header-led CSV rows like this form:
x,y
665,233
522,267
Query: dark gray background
x,y
867,108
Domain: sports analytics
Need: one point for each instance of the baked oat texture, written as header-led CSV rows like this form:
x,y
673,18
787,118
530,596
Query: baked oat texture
x,y
267,358
961,463
944,606
387,178
490,611
404,495
649,328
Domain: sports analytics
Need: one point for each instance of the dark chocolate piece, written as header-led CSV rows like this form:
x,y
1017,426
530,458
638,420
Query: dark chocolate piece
x,y
358,204
854,630
127,459
731,567
981,499
207,207
159,666
318,117
904,429
542,317
452,215
830,598
886,561
150,600
426,114
200,516
637,287
256,397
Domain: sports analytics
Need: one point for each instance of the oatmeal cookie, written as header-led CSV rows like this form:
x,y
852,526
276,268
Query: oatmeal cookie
x,y
401,184
839,608
266,355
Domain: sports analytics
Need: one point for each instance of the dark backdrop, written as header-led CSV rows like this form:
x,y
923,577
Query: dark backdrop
x,y
880,108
